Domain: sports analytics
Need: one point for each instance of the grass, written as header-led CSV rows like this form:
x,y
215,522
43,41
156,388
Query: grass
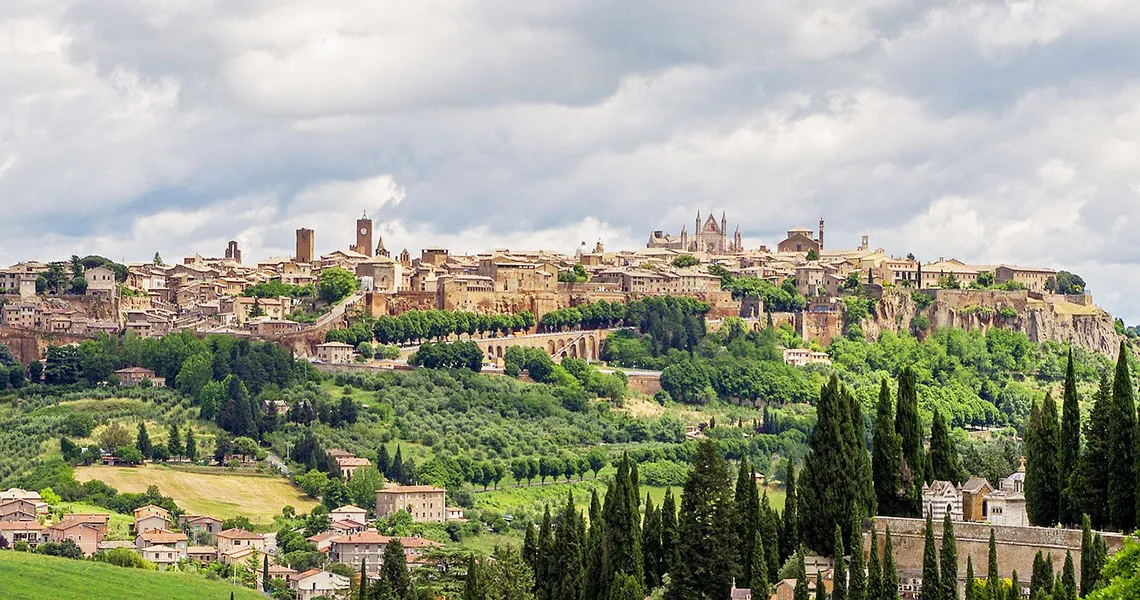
x,y
336,391
222,495
26,576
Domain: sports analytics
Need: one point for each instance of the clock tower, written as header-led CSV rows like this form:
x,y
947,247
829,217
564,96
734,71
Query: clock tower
x,y
363,236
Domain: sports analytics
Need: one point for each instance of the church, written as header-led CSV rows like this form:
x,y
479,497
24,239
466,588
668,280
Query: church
x,y
708,237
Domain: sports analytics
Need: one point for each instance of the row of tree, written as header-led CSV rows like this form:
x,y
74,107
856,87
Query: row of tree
x,y
418,325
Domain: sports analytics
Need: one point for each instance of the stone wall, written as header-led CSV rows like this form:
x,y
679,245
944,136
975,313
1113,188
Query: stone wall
x,y
29,345
1016,546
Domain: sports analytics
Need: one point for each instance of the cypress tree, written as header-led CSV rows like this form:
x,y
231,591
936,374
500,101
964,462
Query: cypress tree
x,y
949,560
909,429
820,590
142,441
383,461
265,573
668,534
530,548
857,580
1015,587
474,586
706,537
970,595
759,582
931,582
595,543
993,580
839,589
394,569
396,470
1070,447
747,517
890,582
874,571
1049,578
1036,582
943,452
1121,452
543,571
362,589
174,441
1042,478
622,547
790,534
855,433
1068,579
1091,561
1093,474
770,531
886,456
801,591
566,562
191,446
651,545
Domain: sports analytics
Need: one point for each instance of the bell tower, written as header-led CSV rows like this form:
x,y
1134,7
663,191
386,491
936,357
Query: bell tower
x,y
363,236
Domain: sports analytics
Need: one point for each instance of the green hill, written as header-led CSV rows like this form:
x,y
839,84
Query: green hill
x,y
34,577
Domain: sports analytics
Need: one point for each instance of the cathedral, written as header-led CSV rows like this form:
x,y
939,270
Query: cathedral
x,y
708,237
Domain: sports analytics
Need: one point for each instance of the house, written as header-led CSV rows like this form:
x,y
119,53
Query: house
x,y
315,583
23,531
786,589
200,524
454,513
349,464
151,517
101,282
134,376
17,509
202,555
233,542
100,521
940,498
164,557
349,513
424,502
359,547
323,540
162,537
334,352
974,493
802,357
85,535
347,527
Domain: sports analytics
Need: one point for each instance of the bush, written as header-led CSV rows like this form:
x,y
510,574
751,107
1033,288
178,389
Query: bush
x,y
123,557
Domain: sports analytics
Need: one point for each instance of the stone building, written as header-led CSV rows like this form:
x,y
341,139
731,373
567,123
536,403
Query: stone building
x,y
940,498
708,237
799,239
425,503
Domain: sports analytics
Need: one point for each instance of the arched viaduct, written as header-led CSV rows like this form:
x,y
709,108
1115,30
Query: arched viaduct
x,y
585,344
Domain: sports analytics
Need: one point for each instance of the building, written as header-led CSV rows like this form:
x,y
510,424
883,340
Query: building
x,y
1033,279
384,274
708,237
305,245
335,352
17,509
356,548
363,236
349,464
974,493
30,532
134,376
175,540
802,357
1006,505
940,498
454,513
233,253
151,517
164,557
202,555
101,282
231,541
349,513
316,583
85,535
425,503
799,239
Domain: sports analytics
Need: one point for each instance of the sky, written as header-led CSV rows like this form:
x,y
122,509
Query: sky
x,y
984,130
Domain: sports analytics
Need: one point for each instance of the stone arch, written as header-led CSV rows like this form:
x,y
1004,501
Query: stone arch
x,y
582,348
560,345
591,348
550,347
498,351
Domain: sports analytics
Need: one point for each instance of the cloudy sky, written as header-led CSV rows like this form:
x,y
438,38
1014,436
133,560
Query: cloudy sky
x,y
991,131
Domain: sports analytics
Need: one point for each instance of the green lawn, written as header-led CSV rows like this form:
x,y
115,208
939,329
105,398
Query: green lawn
x,y
362,396
34,577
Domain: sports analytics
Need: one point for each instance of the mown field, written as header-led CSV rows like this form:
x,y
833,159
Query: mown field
x,y
223,495
26,576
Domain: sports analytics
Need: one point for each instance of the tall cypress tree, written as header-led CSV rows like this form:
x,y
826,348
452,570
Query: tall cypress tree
x,y
890,583
595,542
1090,565
265,573
790,534
1068,579
943,452
839,589
394,569
970,595
855,435
1042,478
396,470
651,544
568,570
383,460
1093,474
1070,447
770,531
886,456
857,580
191,446
668,534
1121,452
530,548
142,441
931,582
362,589
993,580
1015,587
622,533
820,589
1038,580
474,585
801,590
874,571
706,537
949,560
747,517
758,585
544,565
909,429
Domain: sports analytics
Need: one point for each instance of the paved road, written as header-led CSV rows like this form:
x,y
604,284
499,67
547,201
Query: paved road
x,y
276,463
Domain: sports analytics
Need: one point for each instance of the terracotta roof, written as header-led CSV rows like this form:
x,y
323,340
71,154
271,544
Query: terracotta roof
x,y
162,536
304,575
352,461
346,524
416,542
368,537
150,509
21,525
240,534
348,508
201,550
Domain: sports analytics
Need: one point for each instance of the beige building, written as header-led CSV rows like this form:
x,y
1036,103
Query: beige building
x,y
1033,279
940,498
384,274
164,557
349,464
23,531
85,535
425,503
349,513
802,357
316,583
133,376
231,541
101,282
151,516
335,352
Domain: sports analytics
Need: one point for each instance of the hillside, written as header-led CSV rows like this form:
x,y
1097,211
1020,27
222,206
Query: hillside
x,y
33,577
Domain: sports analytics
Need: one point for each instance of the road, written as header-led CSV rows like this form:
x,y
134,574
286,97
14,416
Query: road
x,y
276,463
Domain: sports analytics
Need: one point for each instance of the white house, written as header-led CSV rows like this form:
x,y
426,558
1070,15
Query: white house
x,y
315,583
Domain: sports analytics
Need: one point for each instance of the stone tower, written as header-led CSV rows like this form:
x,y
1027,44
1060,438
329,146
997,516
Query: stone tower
x,y
363,236
304,246
232,252
821,233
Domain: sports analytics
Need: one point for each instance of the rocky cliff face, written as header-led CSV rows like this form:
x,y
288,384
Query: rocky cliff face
x,y
1055,318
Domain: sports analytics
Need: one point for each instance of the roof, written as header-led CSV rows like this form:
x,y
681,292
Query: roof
x,y
418,542
162,536
334,345
975,484
201,550
240,534
368,537
159,548
346,524
406,489
352,461
140,371
348,508
304,574
149,508
21,526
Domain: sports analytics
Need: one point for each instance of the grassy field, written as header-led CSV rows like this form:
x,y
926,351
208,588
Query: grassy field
x,y
34,577
532,499
223,495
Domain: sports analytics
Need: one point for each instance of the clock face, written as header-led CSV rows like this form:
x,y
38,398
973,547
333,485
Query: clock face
x,y
363,231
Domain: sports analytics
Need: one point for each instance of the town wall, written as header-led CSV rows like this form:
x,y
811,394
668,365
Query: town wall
x,y
28,345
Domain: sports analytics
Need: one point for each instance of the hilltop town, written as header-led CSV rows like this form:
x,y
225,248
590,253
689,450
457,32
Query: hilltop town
x,y
802,282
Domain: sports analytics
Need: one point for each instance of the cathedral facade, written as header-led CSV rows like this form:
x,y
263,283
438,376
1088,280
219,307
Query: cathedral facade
x,y
708,237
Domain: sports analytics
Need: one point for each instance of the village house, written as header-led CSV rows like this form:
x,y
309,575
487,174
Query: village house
x,y
164,557
85,535
424,502
17,509
349,464
349,513
369,546
134,376
802,357
335,352
202,555
316,583
150,517
347,527
233,544
175,540
100,521
276,571
101,282
454,513
30,532
200,524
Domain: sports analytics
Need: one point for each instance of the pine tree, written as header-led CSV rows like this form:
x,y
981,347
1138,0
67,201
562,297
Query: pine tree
x,y
620,514
396,471
770,530
191,445
1121,451
886,456
142,441
1068,579
758,585
943,452
1042,478
394,569
567,570
857,580
1070,447
651,544
544,572
874,571
174,441
801,592
949,560
747,517
890,581
668,534
595,541
474,585
970,595
383,461
839,577
707,540
1093,474
993,580
931,582
362,589
909,429
790,534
